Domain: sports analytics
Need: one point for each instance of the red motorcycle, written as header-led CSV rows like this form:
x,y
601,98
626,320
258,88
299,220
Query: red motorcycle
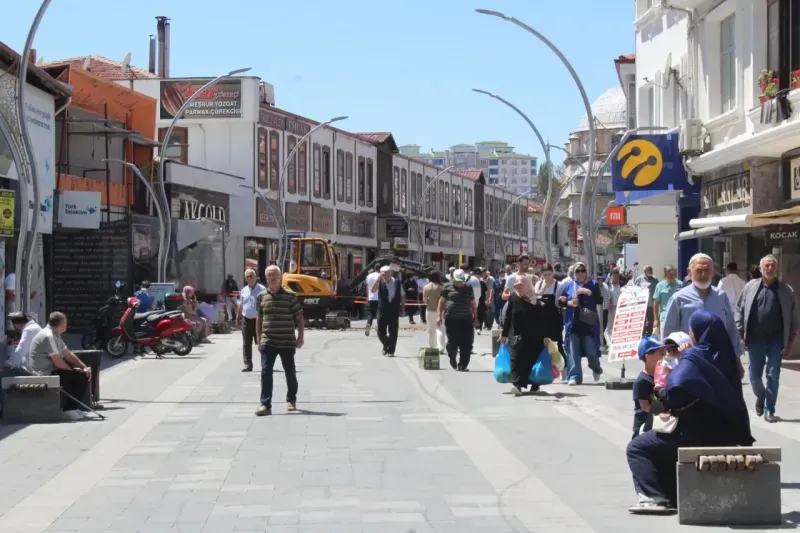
x,y
161,331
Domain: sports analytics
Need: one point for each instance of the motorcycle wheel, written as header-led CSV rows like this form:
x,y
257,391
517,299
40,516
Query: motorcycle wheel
x,y
116,347
186,340
89,341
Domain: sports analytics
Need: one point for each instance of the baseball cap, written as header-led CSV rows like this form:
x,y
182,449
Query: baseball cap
x,y
459,275
648,345
385,268
678,338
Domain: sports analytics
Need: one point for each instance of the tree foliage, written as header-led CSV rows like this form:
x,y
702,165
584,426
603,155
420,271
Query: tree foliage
x,y
548,173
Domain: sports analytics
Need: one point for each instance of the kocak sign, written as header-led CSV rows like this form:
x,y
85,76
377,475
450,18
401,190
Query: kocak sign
x,y
781,235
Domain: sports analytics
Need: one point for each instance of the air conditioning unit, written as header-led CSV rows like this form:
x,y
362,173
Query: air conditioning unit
x,y
266,93
690,140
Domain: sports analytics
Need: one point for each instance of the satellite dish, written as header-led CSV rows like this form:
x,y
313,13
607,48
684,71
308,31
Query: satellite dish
x,y
668,71
87,63
40,62
126,63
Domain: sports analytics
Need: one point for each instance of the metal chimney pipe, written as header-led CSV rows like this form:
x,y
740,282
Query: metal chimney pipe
x,y
32,56
151,67
166,49
160,32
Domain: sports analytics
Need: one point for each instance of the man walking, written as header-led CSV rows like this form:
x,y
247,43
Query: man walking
x,y
768,321
246,316
391,305
229,287
664,291
701,295
372,299
279,314
649,281
458,311
732,284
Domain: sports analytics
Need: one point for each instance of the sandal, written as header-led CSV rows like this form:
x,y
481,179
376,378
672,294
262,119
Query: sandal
x,y
651,508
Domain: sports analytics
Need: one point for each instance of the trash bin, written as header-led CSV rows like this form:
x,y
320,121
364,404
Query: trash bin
x,y
92,359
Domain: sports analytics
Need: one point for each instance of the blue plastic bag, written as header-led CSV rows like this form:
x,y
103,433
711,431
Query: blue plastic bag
x,y
542,371
502,365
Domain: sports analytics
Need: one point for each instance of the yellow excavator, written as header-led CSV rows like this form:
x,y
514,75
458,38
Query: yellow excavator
x,y
315,278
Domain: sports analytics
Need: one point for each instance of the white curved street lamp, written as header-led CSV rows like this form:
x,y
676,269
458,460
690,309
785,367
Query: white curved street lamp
x,y
163,251
584,205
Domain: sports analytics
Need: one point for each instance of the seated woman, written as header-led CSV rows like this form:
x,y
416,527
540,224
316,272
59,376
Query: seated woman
x,y
524,327
704,393
189,308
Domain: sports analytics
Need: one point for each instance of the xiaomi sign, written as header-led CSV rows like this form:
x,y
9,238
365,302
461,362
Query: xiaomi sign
x,y
615,216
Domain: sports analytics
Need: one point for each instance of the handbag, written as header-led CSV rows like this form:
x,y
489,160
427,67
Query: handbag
x,y
588,317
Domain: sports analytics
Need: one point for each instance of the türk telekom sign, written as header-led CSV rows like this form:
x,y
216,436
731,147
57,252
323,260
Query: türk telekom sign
x,y
781,235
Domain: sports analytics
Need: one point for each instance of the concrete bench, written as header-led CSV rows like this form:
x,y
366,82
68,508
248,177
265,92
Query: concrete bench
x,y
31,399
731,486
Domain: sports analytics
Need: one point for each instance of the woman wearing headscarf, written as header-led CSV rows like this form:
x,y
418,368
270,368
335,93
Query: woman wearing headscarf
x,y
582,296
704,393
553,321
189,308
524,328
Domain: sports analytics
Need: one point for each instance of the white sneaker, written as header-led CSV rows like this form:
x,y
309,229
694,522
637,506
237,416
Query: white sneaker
x,y
366,330
515,390
572,383
596,376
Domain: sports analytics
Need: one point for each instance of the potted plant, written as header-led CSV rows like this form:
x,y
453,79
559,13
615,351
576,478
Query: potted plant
x,y
768,82
796,79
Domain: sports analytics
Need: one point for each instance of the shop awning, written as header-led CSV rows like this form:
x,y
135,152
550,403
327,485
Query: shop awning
x,y
699,233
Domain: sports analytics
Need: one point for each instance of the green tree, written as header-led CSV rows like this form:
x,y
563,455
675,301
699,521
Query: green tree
x,y
548,173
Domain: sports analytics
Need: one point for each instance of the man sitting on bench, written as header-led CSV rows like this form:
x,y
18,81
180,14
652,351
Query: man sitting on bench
x,y
19,361
51,356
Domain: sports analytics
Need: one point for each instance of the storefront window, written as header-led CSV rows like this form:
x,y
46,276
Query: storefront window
x,y
433,199
413,193
348,174
178,145
291,142
274,159
326,172
396,188
361,181
403,190
317,156
302,169
428,197
442,204
369,183
420,190
263,183
340,175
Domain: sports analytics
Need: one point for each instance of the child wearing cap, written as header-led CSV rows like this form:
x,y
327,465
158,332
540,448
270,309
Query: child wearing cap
x,y
675,344
650,352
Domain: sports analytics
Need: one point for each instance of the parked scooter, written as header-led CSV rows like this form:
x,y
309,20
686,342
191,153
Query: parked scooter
x,y
103,322
161,331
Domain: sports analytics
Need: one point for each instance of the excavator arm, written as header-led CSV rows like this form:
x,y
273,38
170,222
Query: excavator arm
x,y
409,267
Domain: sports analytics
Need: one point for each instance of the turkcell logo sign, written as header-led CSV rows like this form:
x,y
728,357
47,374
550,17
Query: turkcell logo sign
x,y
650,163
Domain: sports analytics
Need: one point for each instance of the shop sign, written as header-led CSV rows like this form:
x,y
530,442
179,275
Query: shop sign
x,y
282,122
726,194
322,219
189,203
396,227
264,218
7,204
79,209
794,178
298,216
446,237
615,216
431,235
223,100
781,235
356,225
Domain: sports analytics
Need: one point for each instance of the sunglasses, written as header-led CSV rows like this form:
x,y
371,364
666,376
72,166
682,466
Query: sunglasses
x,y
580,271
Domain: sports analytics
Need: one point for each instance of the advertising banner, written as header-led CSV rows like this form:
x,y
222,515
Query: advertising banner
x,y
650,163
79,209
7,203
223,100
628,322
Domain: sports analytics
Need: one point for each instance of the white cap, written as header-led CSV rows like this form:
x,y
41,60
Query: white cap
x,y
679,338
385,268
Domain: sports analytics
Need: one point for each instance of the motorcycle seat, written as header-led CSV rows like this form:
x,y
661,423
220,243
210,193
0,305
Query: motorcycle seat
x,y
149,316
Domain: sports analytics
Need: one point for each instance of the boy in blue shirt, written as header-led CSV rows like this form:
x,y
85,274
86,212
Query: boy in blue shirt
x,y
651,350
145,301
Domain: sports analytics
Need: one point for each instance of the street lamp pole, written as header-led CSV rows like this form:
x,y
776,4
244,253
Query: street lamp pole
x,y
546,149
27,238
282,245
584,96
149,187
163,251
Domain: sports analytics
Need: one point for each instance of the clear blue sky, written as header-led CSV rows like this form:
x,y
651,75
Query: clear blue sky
x,y
405,66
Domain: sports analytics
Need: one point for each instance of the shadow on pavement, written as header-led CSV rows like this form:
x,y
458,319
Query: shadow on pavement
x,y
6,430
318,413
126,400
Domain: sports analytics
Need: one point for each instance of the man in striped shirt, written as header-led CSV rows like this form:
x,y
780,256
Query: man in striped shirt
x,y
279,313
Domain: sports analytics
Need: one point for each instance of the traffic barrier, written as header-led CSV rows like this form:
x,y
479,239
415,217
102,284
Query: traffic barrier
x,y
731,486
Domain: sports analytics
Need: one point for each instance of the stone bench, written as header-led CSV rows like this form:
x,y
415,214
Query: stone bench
x,y
29,399
730,486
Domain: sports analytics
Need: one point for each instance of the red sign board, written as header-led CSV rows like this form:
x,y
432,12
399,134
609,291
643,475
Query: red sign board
x,y
615,216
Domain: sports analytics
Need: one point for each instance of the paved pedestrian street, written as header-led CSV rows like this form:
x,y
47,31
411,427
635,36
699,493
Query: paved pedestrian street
x,y
378,445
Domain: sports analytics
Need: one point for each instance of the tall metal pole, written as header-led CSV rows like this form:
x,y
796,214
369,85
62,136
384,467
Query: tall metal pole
x,y
149,187
589,115
27,238
163,251
282,245
546,149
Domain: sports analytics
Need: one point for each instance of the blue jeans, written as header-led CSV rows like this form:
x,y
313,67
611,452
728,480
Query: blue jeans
x,y
268,356
582,347
769,354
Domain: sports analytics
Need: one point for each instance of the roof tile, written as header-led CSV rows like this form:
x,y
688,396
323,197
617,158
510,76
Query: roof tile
x,y
102,67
